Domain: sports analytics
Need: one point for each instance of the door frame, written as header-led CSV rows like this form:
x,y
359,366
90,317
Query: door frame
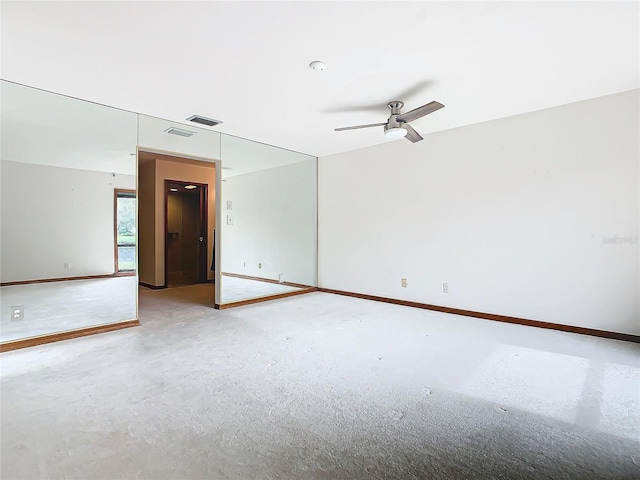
x,y
203,244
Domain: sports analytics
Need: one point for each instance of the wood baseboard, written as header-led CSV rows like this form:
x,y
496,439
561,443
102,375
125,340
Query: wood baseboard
x,y
250,301
491,316
268,280
128,273
66,279
57,337
152,287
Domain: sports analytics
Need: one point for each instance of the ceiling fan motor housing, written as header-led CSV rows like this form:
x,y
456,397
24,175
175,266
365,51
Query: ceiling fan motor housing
x,y
394,128
395,106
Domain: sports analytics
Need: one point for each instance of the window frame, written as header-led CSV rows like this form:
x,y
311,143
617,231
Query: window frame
x,y
122,193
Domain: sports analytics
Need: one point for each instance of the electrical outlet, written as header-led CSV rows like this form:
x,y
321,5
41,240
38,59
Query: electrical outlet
x,y
445,288
259,265
229,220
17,313
67,265
281,277
229,204
403,282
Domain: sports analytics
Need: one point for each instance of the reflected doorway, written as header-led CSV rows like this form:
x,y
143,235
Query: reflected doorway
x,y
186,233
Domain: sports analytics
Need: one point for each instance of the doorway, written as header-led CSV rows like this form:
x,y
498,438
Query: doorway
x,y
186,242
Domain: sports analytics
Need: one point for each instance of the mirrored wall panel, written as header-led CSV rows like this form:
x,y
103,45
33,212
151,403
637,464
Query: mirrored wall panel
x,y
269,220
68,211
177,179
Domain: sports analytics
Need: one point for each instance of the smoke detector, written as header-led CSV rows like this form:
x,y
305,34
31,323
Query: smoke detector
x,y
317,65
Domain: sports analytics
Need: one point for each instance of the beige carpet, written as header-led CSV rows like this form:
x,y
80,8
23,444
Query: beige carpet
x,y
320,387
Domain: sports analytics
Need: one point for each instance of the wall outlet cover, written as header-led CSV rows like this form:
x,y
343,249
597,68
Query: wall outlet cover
x,y
17,313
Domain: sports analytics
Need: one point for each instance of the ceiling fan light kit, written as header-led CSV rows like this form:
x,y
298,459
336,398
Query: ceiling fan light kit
x,y
397,125
395,132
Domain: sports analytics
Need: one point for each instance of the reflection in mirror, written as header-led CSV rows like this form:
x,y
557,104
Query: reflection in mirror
x,y
125,230
177,208
269,224
63,161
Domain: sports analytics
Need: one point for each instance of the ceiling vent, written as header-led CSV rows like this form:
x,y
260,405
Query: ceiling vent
x,y
209,122
180,132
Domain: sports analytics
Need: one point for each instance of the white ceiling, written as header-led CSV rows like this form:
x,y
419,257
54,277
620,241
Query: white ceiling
x,y
246,63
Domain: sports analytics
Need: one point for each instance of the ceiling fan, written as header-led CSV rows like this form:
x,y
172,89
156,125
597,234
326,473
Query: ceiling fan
x,y
397,126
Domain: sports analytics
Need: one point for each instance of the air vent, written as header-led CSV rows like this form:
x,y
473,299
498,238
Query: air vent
x,y
179,132
209,122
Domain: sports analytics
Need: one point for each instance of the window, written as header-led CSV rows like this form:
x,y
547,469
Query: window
x,y
125,230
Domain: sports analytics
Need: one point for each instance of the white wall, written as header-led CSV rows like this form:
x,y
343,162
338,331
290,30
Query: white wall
x,y
274,223
517,215
147,222
53,215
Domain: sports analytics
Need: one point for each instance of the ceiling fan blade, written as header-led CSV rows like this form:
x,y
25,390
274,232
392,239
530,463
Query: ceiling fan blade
x,y
420,112
381,106
361,126
412,135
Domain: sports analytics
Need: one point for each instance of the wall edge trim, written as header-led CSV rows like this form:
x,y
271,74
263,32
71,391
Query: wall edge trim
x,y
241,303
68,335
66,279
152,287
268,280
627,337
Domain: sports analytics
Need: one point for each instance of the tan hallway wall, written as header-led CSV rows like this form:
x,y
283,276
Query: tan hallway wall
x,y
184,171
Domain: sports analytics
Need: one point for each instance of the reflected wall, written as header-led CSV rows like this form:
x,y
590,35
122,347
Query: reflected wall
x,y
269,220
62,160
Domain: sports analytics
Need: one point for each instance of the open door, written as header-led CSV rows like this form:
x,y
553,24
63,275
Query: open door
x,y
186,233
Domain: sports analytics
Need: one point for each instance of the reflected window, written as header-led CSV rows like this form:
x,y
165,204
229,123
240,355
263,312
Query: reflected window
x,y
125,229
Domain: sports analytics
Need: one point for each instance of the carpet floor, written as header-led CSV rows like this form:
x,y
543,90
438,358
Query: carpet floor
x,y
319,386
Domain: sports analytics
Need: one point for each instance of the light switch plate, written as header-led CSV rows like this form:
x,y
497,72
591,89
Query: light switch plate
x,y
229,220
